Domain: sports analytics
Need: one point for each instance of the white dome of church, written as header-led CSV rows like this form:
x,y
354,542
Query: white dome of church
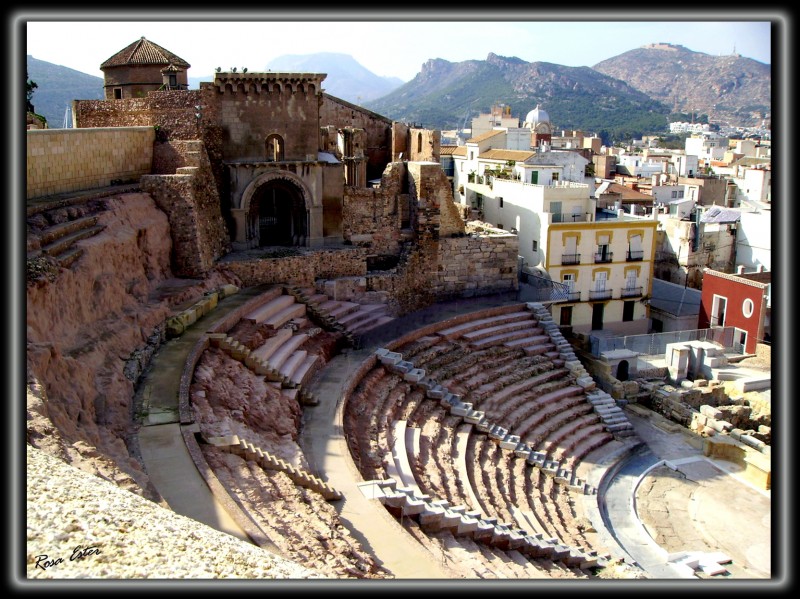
x,y
536,116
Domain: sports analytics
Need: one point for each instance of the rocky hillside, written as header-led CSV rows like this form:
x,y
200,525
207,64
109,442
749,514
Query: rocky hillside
x,y
732,89
448,95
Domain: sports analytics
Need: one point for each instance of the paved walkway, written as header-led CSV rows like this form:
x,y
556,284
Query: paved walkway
x,y
166,459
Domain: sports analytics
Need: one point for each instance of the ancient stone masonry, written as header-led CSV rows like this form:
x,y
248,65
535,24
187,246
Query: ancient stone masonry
x,y
302,269
477,265
190,199
377,131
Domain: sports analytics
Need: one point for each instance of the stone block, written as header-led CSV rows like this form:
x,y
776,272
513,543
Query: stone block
x,y
711,412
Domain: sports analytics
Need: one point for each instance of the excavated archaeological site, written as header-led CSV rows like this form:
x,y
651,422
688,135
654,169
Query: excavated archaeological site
x,y
258,366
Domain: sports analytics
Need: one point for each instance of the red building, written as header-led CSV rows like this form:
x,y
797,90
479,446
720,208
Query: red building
x,y
741,301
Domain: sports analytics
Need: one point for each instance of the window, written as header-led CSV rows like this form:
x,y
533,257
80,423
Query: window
x,y
555,176
630,279
747,307
635,251
419,143
674,194
680,194
718,306
500,226
274,147
535,245
627,311
460,166
656,325
471,154
500,200
118,93
600,281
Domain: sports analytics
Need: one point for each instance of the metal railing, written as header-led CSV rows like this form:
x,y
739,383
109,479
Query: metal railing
x,y
633,255
565,217
600,294
571,296
630,292
600,257
655,344
570,259
541,289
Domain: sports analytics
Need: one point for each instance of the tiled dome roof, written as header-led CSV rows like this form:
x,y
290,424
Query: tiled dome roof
x,y
144,52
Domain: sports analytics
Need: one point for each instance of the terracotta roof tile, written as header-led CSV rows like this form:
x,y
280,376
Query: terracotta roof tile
x,y
144,52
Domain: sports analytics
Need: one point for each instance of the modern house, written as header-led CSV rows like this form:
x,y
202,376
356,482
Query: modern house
x,y
742,301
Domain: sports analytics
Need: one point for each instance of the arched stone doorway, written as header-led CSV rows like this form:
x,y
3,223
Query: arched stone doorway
x,y
622,370
278,215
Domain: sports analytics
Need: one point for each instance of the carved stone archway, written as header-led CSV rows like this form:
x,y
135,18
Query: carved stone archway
x,y
276,208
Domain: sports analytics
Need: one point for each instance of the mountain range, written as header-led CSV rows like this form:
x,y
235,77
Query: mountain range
x,y
731,89
447,95
622,97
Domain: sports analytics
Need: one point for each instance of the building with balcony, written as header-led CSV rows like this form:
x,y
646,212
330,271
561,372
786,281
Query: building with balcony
x,y
607,265
601,260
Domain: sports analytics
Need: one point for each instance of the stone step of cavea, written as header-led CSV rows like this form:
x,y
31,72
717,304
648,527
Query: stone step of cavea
x,y
499,329
361,321
62,244
292,363
283,316
306,369
458,330
68,258
270,462
287,349
266,349
535,350
363,311
535,337
380,322
271,307
60,230
338,309
500,338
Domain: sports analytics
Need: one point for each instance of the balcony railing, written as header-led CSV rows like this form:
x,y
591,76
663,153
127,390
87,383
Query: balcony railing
x,y
631,292
569,296
603,257
634,255
564,217
600,294
570,259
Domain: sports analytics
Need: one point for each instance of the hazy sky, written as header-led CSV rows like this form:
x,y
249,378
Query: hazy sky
x,y
388,45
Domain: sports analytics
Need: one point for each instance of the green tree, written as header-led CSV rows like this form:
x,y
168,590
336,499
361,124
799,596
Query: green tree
x,y
30,86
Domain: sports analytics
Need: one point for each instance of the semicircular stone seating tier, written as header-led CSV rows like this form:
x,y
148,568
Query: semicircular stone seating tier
x,y
476,430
